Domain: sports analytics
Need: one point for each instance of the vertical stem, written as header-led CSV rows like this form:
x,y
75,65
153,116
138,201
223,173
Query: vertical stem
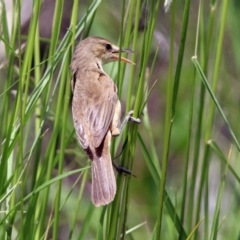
x,y
216,68
170,112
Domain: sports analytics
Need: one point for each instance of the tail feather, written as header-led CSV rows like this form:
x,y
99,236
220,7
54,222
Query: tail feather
x,y
103,179
103,182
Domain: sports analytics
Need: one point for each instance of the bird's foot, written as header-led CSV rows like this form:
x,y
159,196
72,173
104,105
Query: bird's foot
x,y
121,169
129,118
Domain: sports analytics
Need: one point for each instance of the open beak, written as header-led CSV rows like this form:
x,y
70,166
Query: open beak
x,y
117,57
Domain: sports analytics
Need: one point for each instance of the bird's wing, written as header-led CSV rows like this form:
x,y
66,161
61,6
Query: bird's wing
x,y
96,114
100,114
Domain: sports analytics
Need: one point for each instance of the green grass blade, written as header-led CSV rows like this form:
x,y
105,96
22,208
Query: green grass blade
x,y
47,184
86,223
215,227
205,81
222,157
167,201
172,92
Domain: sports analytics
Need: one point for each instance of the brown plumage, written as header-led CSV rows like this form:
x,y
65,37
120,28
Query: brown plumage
x,y
96,111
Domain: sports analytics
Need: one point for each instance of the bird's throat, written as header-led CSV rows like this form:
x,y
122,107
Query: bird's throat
x,y
99,65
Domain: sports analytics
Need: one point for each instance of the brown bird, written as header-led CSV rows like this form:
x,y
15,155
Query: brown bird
x,y
96,111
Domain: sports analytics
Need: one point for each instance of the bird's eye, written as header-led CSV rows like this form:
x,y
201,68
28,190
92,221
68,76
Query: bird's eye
x,y
108,46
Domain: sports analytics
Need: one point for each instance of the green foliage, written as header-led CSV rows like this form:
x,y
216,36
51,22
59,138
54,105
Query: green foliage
x,y
185,152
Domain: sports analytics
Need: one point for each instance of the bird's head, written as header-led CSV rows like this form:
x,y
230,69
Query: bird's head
x,y
101,49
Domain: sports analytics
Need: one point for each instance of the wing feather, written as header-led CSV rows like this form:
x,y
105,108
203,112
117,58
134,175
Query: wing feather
x,y
101,119
94,104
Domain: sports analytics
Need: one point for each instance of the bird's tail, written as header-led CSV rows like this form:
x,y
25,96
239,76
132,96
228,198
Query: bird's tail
x,y
103,178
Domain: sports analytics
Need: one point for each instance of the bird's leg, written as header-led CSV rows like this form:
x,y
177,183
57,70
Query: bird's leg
x,y
121,169
129,118
115,130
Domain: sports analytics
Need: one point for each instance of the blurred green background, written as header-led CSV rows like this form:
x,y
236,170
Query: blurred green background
x,y
201,176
